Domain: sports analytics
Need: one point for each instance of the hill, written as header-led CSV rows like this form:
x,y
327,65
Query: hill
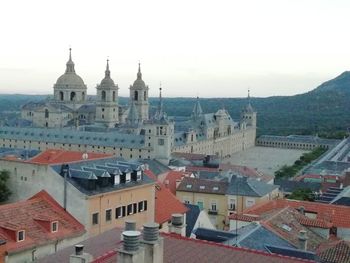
x,y
324,110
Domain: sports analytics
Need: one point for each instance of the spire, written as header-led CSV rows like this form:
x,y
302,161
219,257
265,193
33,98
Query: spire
x,y
132,117
249,96
160,114
197,109
139,74
107,72
248,108
70,63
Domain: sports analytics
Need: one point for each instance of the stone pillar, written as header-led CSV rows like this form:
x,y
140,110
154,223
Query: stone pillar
x,y
153,244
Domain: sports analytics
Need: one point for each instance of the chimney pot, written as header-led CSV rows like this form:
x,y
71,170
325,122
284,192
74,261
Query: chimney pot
x,y
150,231
177,219
131,240
130,225
79,249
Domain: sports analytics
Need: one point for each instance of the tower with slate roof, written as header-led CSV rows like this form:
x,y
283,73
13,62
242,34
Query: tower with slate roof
x,y
107,101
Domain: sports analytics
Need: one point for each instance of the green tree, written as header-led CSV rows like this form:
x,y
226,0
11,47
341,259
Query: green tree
x,y
304,194
4,190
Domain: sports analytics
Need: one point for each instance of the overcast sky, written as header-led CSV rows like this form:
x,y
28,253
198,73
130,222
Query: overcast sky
x,y
205,48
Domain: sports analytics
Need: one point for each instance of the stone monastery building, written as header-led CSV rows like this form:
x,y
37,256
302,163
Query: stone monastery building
x,y
70,121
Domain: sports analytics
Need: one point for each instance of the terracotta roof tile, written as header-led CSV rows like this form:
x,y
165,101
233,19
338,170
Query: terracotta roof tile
x,y
166,203
57,156
26,215
169,179
338,251
336,214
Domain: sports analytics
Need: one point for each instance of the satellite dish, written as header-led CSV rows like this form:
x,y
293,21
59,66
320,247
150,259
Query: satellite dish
x,y
85,156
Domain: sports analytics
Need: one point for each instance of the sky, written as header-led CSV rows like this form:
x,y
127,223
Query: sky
x,y
194,48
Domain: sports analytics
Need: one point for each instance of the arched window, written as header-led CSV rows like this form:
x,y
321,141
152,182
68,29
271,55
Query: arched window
x,y
113,95
103,95
72,96
144,95
61,95
83,95
136,95
46,113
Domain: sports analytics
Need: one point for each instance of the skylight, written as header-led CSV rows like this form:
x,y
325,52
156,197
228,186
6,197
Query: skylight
x,y
215,188
189,186
287,228
202,187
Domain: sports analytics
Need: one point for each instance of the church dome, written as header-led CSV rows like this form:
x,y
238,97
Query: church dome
x,y
70,80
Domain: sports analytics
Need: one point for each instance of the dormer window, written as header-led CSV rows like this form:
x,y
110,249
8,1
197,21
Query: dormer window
x,y
20,235
202,187
215,188
54,226
188,186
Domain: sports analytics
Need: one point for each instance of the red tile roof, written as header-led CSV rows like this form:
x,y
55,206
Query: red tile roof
x,y
176,249
336,214
34,216
169,179
166,203
244,217
57,156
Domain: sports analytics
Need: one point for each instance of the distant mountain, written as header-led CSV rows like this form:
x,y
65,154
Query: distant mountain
x,y
326,109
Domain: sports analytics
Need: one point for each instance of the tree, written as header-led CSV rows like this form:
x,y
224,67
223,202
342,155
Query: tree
x,y
304,194
4,190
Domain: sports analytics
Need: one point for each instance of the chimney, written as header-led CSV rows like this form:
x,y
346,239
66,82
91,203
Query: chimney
x,y
302,210
80,256
178,181
177,224
302,240
129,225
152,243
131,252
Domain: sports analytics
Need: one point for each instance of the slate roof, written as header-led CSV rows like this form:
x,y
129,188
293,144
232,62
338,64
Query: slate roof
x,y
196,185
288,186
17,154
57,156
214,235
336,214
177,249
241,185
72,136
81,177
257,237
191,218
342,201
28,214
155,166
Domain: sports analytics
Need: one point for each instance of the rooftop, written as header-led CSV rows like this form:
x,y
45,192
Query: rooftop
x,y
57,156
336,214
29,216
189,184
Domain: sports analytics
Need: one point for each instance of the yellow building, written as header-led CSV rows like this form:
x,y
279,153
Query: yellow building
x,y
221,198
100,193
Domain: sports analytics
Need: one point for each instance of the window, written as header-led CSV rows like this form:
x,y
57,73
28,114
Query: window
x,y
135,208
140,206
145,205
232,204
128,177
136,95
95,218
46,113
144,95
61,95
54,226
202,187
249,202
123,211
72,96
118,212
213,206
113,97
109,215
20,235
129,212
200,204
215,188
160,141
188,186
103,95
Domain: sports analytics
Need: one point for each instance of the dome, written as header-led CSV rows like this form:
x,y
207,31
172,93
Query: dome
x,y
107,82
248,109
139,83
70,81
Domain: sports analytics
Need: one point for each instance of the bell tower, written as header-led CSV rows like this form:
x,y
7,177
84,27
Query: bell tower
x,y
139,96
107,101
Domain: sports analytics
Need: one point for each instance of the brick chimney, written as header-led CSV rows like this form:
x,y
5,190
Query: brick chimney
x,y
80,256
302,238
131,252
153,243
177,224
